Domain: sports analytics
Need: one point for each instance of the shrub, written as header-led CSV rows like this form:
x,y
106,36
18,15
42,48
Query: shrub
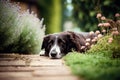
x,y
20,32
102,61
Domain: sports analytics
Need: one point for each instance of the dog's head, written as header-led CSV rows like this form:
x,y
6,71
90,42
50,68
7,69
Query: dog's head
x,y
58,45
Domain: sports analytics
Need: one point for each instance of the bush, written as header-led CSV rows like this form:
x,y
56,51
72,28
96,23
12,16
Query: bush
x,y
104,48
98,63
20,32
102,61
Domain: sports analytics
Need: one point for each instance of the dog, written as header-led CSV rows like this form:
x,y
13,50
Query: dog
x,y
59,44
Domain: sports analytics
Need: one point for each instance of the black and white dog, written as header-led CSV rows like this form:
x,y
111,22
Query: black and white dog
x,y
58,45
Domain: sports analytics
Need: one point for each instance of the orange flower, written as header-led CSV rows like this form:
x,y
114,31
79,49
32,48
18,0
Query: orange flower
x,y
115,33
99,15
88,40
97,32
114,29
94,40
100,35
110,40
117,15
106,24
103,18
91,33
103,30
87,44
82,47
100,24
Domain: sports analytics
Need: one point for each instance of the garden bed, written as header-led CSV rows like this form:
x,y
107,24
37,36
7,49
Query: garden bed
x,y
98,63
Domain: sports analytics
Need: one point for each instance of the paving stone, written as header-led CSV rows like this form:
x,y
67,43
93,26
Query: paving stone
x,y
42,78
7,55
47,63
29,69
13,63
7,59
15,74
18,56
33,67
51,72
18,69
44,59
31,56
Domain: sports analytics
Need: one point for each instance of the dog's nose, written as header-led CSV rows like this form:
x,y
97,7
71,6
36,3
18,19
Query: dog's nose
x,y
53,54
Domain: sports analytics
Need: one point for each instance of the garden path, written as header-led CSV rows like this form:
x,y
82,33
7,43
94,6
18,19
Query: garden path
x,y
33,67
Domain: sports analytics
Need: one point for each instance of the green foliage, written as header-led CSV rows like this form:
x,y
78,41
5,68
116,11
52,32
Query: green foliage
x,y
19,32
101,62
85,12
102,47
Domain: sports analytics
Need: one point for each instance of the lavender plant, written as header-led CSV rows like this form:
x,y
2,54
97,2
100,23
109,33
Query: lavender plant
x,y
20,32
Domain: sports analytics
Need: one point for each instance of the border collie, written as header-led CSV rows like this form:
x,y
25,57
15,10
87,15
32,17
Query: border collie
x,y
58,45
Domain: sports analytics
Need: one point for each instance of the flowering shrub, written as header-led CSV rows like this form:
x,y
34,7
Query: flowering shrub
x,y
108,40
111,30
102,61
108,25
20,32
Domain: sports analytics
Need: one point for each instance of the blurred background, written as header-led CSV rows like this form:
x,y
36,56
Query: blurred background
x,y
72,15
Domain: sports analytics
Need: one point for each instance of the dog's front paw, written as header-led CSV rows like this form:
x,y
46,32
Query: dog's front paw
x,y
42,53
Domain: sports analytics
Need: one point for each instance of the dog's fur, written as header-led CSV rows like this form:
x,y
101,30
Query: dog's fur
x,y
58,45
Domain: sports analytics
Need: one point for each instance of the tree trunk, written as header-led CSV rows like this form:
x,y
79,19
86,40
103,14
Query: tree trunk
x,y
51,11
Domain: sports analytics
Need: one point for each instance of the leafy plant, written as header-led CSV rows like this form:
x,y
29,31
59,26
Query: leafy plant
x,y
102,61
84,12
20,32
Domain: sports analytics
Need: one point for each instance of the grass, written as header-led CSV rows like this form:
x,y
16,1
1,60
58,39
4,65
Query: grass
x,y
97,63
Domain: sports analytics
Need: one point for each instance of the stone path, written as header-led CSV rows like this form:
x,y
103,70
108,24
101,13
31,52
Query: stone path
x,y
33,67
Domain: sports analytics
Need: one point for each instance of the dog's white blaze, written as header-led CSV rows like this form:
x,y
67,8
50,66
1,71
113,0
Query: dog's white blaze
x,y
56,48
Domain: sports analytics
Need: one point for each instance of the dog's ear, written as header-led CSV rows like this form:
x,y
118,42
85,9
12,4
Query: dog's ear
x,y
75,41
45,44
45,41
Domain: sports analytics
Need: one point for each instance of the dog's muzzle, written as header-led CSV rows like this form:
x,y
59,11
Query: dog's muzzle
x,y
55,52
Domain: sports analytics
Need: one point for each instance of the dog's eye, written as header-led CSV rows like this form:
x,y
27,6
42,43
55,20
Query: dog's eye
x,y
60,41
50,42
